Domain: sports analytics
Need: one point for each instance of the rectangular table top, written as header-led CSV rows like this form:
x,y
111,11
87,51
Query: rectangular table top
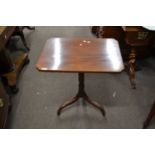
x,y
80,55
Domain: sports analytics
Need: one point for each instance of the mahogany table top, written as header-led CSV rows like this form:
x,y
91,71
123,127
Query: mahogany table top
x,y
80,55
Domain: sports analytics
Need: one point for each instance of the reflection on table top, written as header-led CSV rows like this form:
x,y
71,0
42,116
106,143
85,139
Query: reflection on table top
x,y
80,55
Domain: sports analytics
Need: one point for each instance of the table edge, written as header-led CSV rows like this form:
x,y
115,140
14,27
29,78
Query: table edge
x,y
67,71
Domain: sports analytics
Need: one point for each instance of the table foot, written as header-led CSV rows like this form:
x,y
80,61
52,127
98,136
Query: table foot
x,y
76,98
66,104
81,94
95,104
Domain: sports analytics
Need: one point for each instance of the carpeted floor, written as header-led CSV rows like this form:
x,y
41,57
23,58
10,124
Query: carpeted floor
x,y
41,94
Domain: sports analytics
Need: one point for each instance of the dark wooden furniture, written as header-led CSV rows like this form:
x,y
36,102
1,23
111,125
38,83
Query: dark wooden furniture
x,y
6,64
149,117
152,111
135,43
81,56
140,41
110,32
4,106
125,33
9,69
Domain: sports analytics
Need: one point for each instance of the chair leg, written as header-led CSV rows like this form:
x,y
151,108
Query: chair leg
x,y
21,34
95,30
130,68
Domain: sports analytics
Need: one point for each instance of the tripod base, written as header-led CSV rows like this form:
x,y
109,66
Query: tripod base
x,y
81,94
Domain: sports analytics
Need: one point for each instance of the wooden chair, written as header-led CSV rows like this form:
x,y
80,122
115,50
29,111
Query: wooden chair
x,y
10,67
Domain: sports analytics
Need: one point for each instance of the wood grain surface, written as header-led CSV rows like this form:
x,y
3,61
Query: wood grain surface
x,y
80,55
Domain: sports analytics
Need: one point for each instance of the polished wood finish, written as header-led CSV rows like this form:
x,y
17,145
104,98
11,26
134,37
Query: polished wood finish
x,y
4,106
80,55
